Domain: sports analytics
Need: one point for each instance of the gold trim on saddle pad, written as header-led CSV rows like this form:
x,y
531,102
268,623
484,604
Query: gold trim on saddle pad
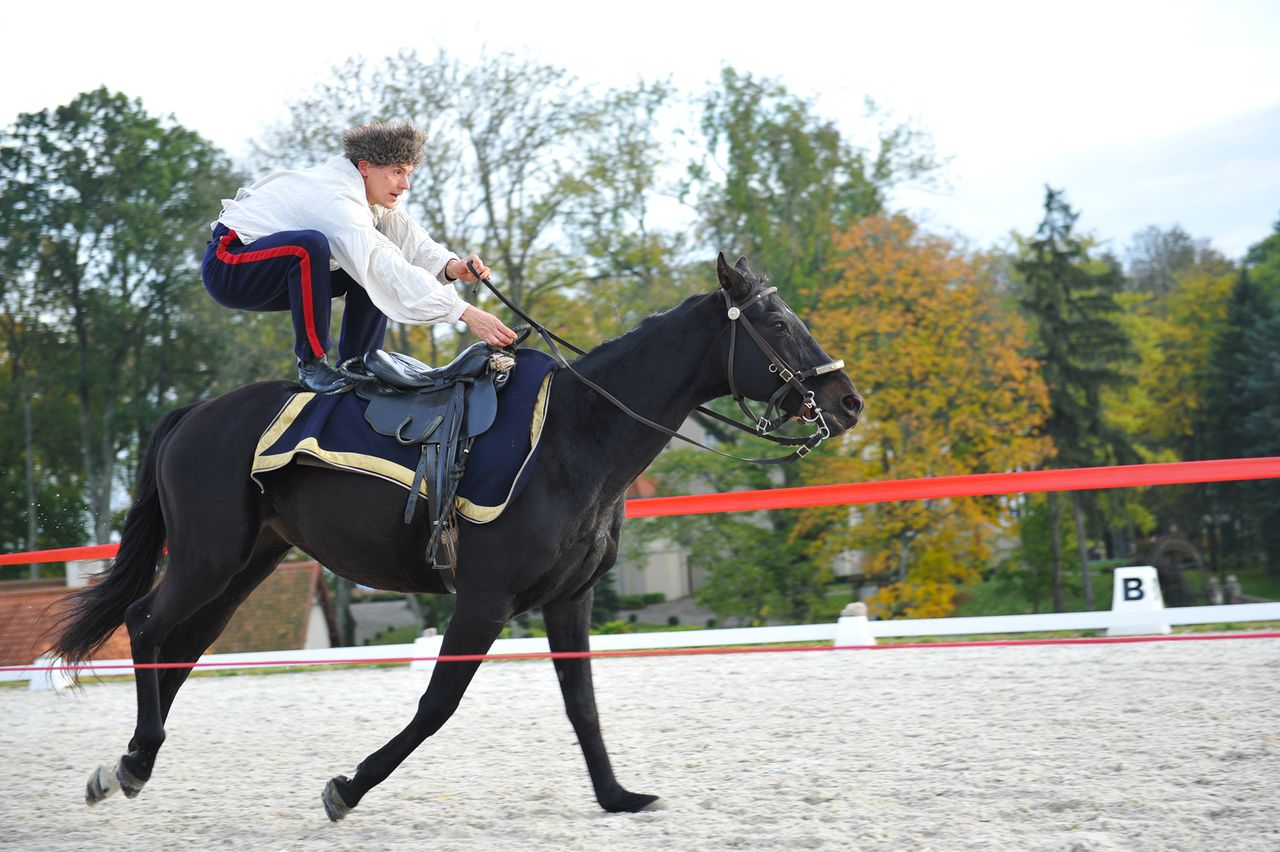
x,y
375,466
478,514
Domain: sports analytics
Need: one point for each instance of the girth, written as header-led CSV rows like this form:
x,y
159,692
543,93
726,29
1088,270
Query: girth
x,y
443,410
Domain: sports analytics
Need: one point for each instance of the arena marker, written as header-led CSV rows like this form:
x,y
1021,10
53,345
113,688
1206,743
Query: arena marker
x,y
1137,589
852,628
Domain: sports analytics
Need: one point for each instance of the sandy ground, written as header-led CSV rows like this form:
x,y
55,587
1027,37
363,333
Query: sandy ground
x,y
1143,747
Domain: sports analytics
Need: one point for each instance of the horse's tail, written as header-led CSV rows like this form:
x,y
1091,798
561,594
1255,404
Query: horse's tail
x,y
94,612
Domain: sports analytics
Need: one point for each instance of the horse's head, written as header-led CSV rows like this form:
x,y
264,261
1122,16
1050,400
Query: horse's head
x,y
777,360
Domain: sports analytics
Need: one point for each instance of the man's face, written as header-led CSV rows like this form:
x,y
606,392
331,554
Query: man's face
x,y
384,184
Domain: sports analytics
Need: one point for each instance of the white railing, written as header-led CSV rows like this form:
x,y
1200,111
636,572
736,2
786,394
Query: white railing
x,y
848,631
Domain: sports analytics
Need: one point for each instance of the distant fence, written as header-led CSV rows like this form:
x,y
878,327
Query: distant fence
x,y
424,652
970,485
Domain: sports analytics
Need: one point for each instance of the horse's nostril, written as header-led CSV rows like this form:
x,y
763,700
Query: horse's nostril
x,y
852,402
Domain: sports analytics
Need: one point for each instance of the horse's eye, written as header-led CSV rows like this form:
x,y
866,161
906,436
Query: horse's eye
x,y
778,326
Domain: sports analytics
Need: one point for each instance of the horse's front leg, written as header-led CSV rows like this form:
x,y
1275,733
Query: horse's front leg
x,y
472,630
568,629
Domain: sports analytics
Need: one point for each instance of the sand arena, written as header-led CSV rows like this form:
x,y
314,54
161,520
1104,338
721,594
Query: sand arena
x,y
1157,746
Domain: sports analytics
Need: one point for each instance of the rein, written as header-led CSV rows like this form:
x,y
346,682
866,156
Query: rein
x,y
792,379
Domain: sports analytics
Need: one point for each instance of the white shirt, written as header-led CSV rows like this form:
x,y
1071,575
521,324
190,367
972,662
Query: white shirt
x,y
385,251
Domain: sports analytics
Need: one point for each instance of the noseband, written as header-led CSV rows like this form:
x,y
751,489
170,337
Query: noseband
x,y
792,379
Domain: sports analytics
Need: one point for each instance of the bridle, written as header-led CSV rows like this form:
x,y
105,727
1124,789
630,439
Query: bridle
x,y
763,426
792,379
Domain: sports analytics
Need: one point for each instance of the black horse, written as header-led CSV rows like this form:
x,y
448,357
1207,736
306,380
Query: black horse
x,y
546,550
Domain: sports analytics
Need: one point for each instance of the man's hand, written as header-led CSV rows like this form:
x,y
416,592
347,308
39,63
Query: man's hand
x,y
457,269
485,326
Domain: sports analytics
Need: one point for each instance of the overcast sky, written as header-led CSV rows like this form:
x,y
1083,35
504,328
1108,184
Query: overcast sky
x,y
1146,113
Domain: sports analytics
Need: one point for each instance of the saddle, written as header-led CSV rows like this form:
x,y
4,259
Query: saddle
x,y
442,409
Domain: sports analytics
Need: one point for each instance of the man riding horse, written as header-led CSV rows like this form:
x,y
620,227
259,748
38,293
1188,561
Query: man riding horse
x,y
295,240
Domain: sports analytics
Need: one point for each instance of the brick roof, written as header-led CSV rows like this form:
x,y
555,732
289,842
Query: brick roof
x,y
275,617
28,620
644,485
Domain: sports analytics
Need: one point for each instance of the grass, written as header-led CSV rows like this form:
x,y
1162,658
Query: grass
x,y
396,636
1258,582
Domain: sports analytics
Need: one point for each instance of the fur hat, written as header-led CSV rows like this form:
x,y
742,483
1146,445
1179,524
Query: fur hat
x,y
384,144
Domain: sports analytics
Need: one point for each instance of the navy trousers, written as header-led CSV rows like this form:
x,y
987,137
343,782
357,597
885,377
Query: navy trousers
x,y
289,271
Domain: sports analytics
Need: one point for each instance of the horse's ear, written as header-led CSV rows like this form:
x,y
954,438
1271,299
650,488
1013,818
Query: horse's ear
x,y
732,279
742,267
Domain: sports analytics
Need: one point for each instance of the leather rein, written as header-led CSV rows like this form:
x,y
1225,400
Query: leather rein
x,y
764,425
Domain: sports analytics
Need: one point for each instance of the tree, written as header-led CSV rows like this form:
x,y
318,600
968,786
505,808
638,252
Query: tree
x,y
1260,396
1082,350
605,600
116,203
634,265
939,357
22,334
1159,259
523,163
778,182
756,570
1173,310
1239,398
41,501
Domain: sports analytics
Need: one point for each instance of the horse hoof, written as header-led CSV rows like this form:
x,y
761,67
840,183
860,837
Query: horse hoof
x,y
629,803
102,783
334,806
130,784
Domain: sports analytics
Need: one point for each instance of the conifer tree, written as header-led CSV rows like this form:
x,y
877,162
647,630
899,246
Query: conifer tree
x,y
1082,349
1242,400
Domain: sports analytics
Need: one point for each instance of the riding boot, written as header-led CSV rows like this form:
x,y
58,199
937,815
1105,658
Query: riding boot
x,y
317,376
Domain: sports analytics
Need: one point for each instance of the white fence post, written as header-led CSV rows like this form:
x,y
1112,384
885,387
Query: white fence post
x,y
80,570
1137,589
852,629
54,679
426,645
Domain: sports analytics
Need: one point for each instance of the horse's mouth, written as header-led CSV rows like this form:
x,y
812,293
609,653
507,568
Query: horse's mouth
x,y
838,415
837,420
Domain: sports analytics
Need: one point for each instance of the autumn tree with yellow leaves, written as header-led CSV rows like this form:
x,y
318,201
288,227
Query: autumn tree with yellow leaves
x,y
940,357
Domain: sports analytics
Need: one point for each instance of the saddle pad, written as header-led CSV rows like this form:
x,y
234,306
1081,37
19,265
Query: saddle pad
x,y
331,430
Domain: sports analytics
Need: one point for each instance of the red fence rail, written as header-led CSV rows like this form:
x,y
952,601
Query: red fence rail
x,y
972,485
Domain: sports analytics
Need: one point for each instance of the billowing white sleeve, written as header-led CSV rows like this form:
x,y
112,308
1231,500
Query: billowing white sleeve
x,y
416,244
403,291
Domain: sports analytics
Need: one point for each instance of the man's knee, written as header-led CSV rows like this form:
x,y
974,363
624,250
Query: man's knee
x,y
314,242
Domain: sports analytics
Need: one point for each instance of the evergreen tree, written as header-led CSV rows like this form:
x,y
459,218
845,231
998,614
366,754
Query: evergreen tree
x,y
1242,400
1260,396
1082,349
606,601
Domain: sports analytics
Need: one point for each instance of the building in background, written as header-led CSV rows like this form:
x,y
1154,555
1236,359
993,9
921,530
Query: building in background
x,y
290,610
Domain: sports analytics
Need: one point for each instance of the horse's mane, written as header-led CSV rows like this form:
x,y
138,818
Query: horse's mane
x,y
643,330
626,341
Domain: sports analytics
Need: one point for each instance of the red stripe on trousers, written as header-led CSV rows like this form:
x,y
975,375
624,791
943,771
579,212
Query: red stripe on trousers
x,y
280,251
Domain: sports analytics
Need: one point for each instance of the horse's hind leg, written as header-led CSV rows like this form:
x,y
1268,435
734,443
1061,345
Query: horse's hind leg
x,y
149,620
472,630
175,623
568,628
193,637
